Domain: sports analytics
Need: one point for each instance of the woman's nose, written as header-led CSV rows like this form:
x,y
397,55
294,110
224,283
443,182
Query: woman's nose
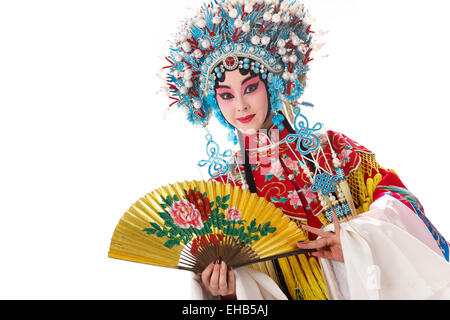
x,y
242,105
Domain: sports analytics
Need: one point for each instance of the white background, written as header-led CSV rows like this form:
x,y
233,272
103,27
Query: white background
x,y
83,133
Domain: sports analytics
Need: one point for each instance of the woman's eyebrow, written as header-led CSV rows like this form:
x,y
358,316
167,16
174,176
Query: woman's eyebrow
x,y
223,87
247,79
242,83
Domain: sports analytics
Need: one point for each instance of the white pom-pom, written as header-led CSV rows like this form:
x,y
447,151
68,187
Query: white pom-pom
x,y
183,90
302,48
267,16
248,8
282,51
186,46
238,23
255,40
265,40
181,37
188,83
198,54
187,74
286,18
285,59
281,43
293,58
246,27
285,76
205,44
292,76
233,13
276,18
217,19
197,104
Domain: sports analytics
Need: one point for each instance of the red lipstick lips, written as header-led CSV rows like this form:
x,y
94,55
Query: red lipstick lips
x,y
246,119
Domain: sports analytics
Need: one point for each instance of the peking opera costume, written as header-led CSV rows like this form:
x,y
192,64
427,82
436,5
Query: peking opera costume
x,y
391,250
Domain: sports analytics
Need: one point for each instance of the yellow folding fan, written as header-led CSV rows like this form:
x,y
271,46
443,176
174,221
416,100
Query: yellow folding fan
x,y
187,225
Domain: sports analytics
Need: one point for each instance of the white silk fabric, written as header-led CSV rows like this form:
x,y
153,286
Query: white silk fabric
x,y
389,254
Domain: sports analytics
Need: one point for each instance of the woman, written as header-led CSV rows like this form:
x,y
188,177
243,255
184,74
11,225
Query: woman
x,y
245,63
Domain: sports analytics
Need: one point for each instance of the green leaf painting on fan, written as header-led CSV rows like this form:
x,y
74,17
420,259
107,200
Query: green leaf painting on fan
x,y
196,215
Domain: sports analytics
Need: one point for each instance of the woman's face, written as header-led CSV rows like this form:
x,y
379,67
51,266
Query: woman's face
x,y
243,101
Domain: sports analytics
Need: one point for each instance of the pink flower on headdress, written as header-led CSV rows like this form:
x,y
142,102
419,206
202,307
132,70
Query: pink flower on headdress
x,y
185,215
233,214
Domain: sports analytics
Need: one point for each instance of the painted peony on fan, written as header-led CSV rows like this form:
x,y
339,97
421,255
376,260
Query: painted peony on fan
x,y
187,225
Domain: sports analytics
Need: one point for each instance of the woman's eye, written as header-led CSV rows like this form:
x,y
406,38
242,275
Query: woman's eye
x,y
226,96
251,88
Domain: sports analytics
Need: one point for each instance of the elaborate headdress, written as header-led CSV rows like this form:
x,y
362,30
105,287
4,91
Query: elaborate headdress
x,y
270,37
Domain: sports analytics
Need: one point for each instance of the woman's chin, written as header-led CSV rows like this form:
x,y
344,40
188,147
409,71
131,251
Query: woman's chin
x,y
248,131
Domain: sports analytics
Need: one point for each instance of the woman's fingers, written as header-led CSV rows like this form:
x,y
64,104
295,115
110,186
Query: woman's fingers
x,y
219,279
214,281
316,231
315,244
206,274
329,245
327,254
223,279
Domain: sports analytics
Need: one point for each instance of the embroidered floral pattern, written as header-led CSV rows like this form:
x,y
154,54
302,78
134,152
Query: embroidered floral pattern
x,y
294,199
344,155
309,195
276,168
291,164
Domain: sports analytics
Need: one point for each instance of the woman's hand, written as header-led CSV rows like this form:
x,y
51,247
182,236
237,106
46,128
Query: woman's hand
x,y
219,280
328,245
